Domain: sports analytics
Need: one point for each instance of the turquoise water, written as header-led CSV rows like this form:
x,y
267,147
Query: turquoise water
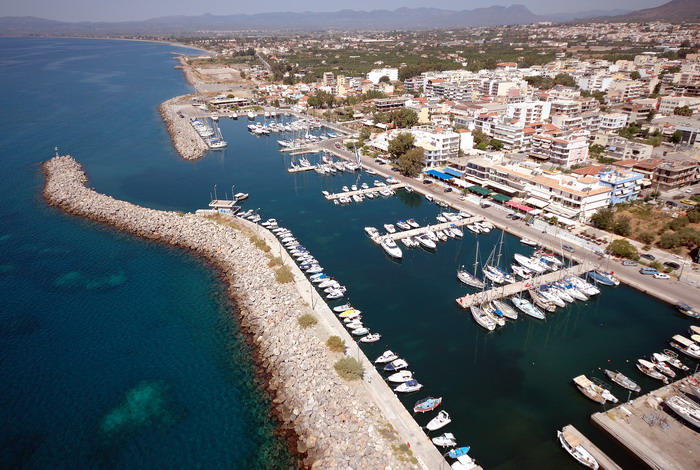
x,y
122,352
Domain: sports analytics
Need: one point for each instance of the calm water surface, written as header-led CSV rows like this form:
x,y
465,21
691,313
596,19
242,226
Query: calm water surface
x,y
101,323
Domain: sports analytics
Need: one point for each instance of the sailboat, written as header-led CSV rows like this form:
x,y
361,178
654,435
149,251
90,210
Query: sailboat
x,y
527,307
469,278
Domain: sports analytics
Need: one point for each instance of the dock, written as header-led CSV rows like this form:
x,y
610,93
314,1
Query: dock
x,y
517,287
374,189
651,431
605,462
431,228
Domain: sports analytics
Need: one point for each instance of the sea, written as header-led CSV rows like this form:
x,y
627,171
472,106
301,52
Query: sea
x,y
122,353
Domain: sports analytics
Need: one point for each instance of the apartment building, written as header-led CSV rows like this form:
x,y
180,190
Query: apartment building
x,y
439,145
389,104
625,90
664,175
566,107
636,112
612,121
529,111
625,184
376,74
561,148
622,149
668,103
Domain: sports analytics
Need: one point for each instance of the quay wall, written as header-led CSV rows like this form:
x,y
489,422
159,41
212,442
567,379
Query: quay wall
x,y
184,137
330,423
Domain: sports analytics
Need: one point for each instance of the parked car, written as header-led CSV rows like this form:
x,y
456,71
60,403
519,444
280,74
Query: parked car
x,y
648,256
462,197
688,202
661,276
672,265
568,248
427,182
447,190
484,205
629,262
672,203
648,270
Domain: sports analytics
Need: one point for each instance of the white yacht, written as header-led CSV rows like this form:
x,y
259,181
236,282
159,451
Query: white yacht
x,y
391,248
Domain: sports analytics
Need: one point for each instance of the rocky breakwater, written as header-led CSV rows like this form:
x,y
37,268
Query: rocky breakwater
x,y
331,423
184,137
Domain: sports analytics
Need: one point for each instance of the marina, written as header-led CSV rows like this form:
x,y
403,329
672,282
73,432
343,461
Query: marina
x,y
362,192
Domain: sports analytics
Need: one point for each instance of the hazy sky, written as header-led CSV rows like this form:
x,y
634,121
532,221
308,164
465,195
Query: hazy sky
x,y
124,10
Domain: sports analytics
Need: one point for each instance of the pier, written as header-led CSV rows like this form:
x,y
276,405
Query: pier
x,y
511,289
431,228
605,462
374,189
651,431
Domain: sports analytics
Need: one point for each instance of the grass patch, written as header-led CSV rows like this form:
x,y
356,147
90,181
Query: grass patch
x,y
336,344
307,320
284,275
260,243
349,368
276,261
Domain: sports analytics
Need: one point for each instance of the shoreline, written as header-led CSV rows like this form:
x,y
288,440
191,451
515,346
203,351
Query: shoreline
x,y
327,422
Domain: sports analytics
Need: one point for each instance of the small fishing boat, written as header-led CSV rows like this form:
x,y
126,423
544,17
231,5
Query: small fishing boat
x,y
371,338
426,404
440,421
649,369
686,409
686,309
401,376
589,389
408,387
572,445
659,361
446,440
622,380
396,364
387,356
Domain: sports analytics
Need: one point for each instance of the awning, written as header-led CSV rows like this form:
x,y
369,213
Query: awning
x,y
439,175
538,156
561,211
453,172
560,219
501,187
536,202
500,197
459,182
479,190
517,205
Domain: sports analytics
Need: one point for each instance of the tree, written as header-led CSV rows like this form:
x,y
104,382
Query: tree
x,y
385,79
401,144
412,162
481,137
646,237
677,137
564,79
683,111
622,247
596,150
603,218
622,225
634,75
365,134
670,240
495,144
403,118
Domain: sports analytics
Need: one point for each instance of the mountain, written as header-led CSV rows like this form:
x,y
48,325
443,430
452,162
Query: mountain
x,y
674,10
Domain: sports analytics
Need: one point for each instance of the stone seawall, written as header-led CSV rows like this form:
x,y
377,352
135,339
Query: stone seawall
x,y
334,424
184,137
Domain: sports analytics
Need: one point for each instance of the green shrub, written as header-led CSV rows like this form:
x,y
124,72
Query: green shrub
x,y
349,368
336,344
307,320
260,243
283,275
276,261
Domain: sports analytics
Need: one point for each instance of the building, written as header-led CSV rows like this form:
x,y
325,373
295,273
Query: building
x,y
668,103
625,90
439,145
529,111
636,112
563,149
622,149
376,74
389,104
612,121
664,175
625,185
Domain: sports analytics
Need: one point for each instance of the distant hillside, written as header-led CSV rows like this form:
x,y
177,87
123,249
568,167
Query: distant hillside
x,y
674,10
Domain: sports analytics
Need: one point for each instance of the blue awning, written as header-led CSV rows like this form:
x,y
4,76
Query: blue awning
x,y
439,175
453,172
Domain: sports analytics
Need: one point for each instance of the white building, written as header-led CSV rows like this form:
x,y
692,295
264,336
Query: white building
x,y
377,74
529,111
612,121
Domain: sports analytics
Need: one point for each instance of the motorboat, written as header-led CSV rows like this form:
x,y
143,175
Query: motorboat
x,y
389,228
482,318
694,385
527,307
589,389
426,242
649,369
391,248
459,452
603,277
686,309
559,292
686,409
401,376
314,269
426,404
412,223
441,218
351,317
469,279
672,359
403,225
440,421
396,364
473,228
345,189
464,462
240,196
440,235
527,241
541,301
429,198
339,308
371,338
622,380
572,290
371,232
529,263
329,282
353,324
409,242
659,361
573,446
387,356
694,330
584,286
685,346
457,232
524,273
446,440
408,387
350,313
335,294
552,297
360,332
